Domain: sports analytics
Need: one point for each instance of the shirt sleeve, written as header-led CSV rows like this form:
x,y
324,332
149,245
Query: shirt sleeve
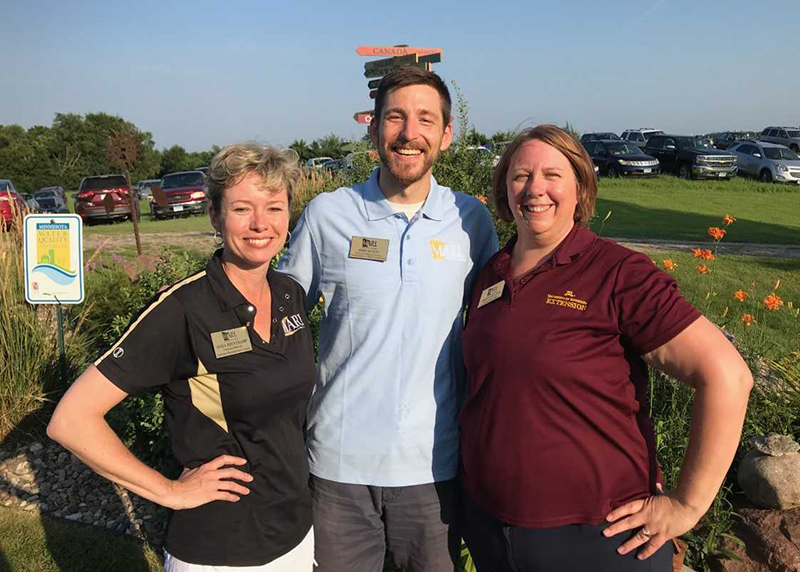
x,y
301,261
483,246
152,350
650,308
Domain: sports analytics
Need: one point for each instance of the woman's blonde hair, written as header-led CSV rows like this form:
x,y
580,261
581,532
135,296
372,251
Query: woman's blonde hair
x,y
277,168
581,163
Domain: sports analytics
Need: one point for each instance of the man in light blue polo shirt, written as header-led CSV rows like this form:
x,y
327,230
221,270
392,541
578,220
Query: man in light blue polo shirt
x,y
394,259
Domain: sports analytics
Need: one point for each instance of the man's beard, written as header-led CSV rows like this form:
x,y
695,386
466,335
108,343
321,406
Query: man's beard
x,y
407,174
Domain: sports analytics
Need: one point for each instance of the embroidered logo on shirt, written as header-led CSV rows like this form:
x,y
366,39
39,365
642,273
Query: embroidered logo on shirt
x,y
118,352
568,300
292,324
443,251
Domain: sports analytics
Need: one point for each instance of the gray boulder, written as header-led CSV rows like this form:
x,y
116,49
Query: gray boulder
x,y
770,473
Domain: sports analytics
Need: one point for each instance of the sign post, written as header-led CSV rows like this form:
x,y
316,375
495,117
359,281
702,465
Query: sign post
x,y
53,247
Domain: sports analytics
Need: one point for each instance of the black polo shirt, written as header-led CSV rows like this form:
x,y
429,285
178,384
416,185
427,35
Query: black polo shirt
x,y
251,403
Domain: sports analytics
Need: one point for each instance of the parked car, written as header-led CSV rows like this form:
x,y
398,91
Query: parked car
x,y
58,190
767,161
185,194
103,197
203,170
600,136
333,166
786,136
144,189
11,204
51,204
727,138
317,162
30,202
617,158
691,157
639,137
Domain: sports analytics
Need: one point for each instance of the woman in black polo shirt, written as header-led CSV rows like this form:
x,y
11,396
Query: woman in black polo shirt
x,y
558,454
231,350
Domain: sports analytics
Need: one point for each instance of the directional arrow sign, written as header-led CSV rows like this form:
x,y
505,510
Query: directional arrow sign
x,y
379,72
395,51
431,59
363,117
391,62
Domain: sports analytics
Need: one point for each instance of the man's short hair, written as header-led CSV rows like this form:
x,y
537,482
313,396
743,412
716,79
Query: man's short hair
x,y
405,76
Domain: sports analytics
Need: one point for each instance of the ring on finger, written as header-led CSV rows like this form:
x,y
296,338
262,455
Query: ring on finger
x,y
644,532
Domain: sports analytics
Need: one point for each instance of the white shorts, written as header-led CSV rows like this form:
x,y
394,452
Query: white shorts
x,y
298,559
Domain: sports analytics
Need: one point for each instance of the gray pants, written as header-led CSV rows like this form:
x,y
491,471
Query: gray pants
x,y
355,524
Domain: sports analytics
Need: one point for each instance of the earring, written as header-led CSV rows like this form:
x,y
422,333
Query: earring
x,y
218,238
288,236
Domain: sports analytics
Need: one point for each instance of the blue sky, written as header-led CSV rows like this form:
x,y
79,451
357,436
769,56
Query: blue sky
x,y
198,73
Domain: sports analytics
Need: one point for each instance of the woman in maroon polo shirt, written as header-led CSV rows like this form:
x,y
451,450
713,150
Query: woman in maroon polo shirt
x,y
559,469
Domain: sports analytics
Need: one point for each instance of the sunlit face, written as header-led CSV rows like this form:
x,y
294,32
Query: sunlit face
x,y
542,191
411,132
253,222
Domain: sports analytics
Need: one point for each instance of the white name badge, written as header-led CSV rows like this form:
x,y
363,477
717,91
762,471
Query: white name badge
x,y
492,293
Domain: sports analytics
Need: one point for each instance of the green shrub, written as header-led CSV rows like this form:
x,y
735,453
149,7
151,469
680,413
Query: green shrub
x,y
116,300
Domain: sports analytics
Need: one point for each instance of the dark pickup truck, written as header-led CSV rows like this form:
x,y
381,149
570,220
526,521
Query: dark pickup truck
x,y
691,157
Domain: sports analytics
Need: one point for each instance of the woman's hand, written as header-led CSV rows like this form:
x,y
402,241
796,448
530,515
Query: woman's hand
x,y
659,519
209,482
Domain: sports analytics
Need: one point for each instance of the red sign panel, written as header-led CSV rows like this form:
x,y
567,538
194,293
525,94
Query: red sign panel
x,y
364,117
394,51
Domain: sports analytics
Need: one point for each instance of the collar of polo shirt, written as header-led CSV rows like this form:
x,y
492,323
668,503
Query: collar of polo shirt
x,y
574,245
225,292
379,207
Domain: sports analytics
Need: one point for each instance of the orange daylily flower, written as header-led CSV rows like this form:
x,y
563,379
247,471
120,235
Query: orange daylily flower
x,y
698,252
669,265
707,254
703,269
716,233
728,220
481,198
773,302
748,319
740,295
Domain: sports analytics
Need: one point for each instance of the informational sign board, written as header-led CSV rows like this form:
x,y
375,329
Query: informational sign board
x,y
53,247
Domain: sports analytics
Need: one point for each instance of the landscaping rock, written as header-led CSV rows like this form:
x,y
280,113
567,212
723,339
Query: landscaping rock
x,y
772,541
770,473
47,479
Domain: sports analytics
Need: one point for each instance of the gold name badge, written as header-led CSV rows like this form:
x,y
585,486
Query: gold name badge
x,y
231,342
492,293
366,248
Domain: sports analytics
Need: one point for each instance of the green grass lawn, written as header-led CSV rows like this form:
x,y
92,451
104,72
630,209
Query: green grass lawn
x,y
775,333
33,543
147,225
674,209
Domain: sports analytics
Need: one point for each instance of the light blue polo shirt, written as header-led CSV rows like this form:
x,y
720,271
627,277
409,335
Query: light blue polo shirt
x,y
385,407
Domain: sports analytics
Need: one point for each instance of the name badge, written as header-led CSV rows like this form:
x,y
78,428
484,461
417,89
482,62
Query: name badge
x,y
366,248
492,293
231,342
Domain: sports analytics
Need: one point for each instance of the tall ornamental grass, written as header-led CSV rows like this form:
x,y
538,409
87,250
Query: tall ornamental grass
x,y
30,366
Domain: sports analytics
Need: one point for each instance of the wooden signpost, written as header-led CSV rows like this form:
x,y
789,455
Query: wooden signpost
x,y
398,56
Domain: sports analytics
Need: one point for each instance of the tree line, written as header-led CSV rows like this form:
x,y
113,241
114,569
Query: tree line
x,y
76,146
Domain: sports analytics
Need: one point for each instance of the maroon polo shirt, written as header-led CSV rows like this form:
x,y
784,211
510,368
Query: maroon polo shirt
x,y
554,429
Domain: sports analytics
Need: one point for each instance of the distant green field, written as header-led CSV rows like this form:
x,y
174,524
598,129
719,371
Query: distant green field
x,y
675,209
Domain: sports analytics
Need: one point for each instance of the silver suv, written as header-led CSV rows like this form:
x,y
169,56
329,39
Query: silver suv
x,y
639,137
767,161
786,136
